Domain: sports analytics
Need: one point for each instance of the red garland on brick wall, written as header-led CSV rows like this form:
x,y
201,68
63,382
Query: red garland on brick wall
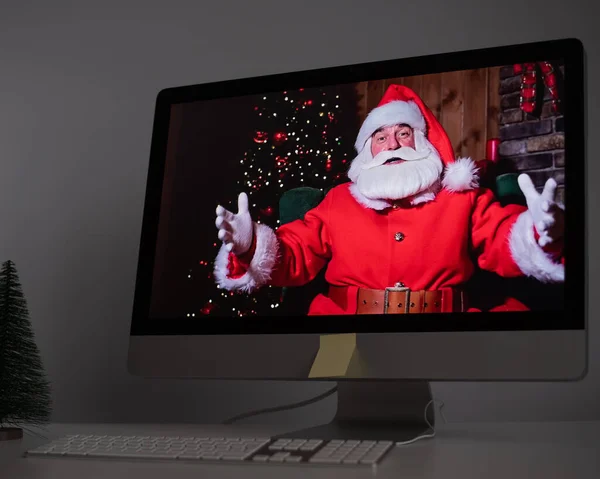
x,y
534,76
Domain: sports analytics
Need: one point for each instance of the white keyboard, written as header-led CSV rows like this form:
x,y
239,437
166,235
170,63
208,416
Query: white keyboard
x,y
222,449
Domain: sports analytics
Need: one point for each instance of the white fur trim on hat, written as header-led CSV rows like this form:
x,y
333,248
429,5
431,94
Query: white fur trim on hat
x,y
392,113
460,175
261,266
529,255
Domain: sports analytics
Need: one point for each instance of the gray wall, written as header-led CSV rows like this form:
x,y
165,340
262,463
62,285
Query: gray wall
x,y
77,92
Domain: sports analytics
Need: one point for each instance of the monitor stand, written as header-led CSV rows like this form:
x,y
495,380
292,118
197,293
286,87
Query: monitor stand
x,y
376,410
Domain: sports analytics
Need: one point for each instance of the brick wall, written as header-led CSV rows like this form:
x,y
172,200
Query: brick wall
x,y
528,144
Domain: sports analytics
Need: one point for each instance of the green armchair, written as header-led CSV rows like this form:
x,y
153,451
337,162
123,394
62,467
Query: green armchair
x,y
293,205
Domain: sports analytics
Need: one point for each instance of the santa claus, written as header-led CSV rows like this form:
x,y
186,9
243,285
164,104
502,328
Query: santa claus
x,y
406,234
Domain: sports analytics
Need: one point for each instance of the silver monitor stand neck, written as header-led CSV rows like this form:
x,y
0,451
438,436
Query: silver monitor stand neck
x,y
376,410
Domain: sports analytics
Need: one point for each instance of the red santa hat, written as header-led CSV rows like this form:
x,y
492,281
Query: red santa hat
x,y
399,105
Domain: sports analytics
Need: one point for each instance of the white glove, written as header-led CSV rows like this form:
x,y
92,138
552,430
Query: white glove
x,y
235,230
547,215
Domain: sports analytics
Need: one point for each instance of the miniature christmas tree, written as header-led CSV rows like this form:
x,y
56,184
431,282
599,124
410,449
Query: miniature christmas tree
x,y
24,389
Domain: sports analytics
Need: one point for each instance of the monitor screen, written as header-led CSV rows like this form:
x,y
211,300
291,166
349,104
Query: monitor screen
x,y
429,194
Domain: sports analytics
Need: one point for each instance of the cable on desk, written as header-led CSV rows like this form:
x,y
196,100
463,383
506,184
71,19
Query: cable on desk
x,y
281,408
430,435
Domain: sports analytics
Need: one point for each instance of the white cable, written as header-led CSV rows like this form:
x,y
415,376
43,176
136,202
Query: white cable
x,y
329,393
432,433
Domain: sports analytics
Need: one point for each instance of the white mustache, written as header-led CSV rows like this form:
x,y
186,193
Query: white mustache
x,y
405,153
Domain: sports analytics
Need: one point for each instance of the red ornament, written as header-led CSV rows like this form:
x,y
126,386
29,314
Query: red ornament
x,y
534,76
279,138
268,211
260,137
331,116
328,164
208,308
281,161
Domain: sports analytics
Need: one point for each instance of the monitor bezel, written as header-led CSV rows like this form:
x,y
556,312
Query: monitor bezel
x,y
570,50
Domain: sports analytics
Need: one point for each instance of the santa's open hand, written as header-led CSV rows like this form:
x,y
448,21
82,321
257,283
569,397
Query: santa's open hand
x,y
547,215
235,230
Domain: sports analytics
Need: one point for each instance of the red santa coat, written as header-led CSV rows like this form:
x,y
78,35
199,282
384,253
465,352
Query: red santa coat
x,y
427,246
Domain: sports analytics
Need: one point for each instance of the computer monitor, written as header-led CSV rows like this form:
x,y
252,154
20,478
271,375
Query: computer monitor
x,y
383,225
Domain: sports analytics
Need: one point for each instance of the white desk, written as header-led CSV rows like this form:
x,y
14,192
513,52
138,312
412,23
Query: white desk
x,y
463,451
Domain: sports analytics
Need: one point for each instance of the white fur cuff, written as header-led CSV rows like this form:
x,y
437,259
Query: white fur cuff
x,y
529,256
261,266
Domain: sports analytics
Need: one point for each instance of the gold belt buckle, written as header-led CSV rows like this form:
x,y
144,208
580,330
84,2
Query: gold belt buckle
x,y
397,288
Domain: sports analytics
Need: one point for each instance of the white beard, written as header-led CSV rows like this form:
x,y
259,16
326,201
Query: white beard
x,y
420,171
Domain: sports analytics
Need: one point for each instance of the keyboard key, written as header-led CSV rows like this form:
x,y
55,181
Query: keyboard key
x,y
233,457
276,459
211,455
309,447
188,456
260,458
38,452
324,460
293,459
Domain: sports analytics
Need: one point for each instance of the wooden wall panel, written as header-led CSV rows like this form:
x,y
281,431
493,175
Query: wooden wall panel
x,y
493,103
431,93
452,107
474,114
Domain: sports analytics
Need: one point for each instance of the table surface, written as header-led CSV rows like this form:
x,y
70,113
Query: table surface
x,y
467,450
